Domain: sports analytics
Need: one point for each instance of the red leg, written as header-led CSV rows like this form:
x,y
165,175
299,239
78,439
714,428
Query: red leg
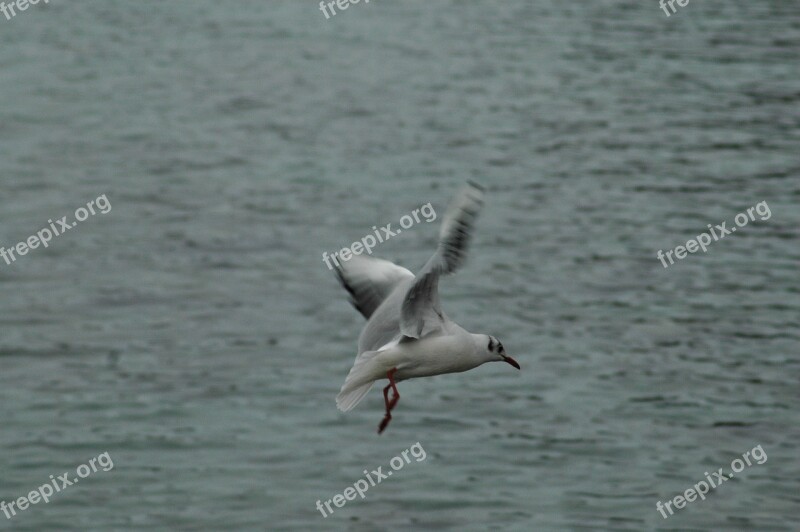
x,y
394,388
389,404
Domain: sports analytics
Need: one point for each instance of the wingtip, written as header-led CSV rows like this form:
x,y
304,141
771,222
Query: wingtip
x,y
339,271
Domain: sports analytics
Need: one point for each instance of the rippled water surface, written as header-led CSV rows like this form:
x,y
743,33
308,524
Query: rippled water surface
x,y
194,333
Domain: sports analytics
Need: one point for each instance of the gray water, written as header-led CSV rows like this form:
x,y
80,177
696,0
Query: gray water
x,y
194,333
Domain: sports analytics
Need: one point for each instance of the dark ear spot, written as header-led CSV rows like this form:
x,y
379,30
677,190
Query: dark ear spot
x,y
491,344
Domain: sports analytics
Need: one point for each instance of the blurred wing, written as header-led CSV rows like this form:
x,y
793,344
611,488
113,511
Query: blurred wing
x,y
369,281
421,311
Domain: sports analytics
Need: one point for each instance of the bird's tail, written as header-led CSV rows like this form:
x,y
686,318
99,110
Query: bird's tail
x,y
358,382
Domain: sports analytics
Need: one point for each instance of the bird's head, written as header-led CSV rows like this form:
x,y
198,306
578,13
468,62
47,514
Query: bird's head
x,y
494,351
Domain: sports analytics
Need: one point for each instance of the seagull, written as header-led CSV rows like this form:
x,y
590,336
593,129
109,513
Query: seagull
x,y
407,335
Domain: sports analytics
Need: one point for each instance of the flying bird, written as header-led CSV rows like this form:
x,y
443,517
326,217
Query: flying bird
x,y
407,334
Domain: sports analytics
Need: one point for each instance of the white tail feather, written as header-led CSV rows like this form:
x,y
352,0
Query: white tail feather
x,y
346,401
358,382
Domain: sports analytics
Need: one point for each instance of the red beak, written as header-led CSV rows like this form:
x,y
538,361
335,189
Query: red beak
x,y
511,361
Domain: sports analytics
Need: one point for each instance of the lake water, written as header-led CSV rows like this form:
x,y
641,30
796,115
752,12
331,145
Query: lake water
x,y
194,333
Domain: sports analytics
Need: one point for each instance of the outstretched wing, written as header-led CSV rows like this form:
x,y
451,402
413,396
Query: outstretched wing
x,y
369,281
421,312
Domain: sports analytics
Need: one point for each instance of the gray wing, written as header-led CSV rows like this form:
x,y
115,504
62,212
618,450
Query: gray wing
x,y
383,326
370,281
421,312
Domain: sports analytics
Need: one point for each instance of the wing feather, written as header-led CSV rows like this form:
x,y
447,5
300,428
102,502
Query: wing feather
x,y
369,281
421,312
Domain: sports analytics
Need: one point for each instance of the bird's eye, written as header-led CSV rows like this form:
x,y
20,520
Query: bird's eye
x,y
500,350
